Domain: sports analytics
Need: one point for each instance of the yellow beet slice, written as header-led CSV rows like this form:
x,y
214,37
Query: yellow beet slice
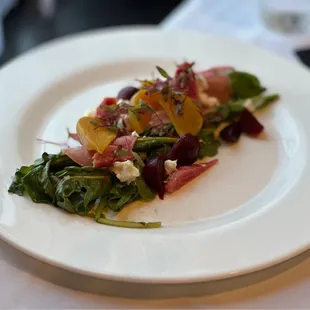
x,y
140,123
93,137
189,122
152,100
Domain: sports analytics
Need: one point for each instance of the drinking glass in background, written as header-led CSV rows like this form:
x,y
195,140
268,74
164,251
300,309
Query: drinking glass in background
x,y
286,17
286,23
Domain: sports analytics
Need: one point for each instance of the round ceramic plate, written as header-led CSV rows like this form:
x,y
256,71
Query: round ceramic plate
x,y
248,212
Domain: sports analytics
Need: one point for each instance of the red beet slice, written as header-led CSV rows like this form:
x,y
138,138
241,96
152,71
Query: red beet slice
x,y
249,124
231,133
154,175
185,151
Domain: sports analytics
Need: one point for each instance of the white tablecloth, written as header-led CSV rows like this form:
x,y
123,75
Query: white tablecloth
x,y
29,284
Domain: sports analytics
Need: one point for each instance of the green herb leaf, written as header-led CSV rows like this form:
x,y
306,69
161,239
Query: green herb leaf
x,y
17,186
33,187
57,162
162,72
46,182
258,102
144,191
97,124
165,92
82,171
113,129
75,193
262,102
245,85
122,194
209,145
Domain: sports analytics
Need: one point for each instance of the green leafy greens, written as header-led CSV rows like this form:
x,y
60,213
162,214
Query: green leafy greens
x,y
245,85
57,180
209,144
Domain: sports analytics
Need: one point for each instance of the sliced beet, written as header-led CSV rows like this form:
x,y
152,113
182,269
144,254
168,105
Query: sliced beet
x,y
231,133
127,92
185,151
249,124
154,175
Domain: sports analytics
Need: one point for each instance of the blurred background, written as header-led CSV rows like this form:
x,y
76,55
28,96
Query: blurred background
x,y
282,26
27,23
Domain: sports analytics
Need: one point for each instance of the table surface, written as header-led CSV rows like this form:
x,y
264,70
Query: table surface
x,y
30,284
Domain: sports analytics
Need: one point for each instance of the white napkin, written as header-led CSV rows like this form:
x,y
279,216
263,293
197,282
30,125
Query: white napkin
x,y
234,18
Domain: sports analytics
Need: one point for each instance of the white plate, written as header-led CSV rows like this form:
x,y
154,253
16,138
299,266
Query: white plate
x,y
248,212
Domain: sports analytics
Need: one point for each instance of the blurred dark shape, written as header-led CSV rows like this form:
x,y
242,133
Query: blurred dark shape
x,y
32,22
304,56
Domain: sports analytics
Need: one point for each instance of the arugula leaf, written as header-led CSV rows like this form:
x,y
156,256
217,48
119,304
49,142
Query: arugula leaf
x,y
258,102
162,72
209,146
245,85
122,194
75,193
81,171
17,186
262,102
33,187
46,183
144,191
56,180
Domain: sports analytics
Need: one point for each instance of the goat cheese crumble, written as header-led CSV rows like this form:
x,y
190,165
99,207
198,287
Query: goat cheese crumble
x,y
170,166
90,112
126,171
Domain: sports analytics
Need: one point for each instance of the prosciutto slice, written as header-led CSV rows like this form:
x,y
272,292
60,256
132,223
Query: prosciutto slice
x,y
218,81
159,118
119,150
185,174
80,155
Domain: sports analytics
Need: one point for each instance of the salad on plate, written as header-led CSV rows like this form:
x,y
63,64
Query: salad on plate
x,y
148,141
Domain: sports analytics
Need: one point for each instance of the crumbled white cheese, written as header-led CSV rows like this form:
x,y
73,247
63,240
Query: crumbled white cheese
x,y
170,166
207,102
125,171
122,101
135,134
91,112
249,105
